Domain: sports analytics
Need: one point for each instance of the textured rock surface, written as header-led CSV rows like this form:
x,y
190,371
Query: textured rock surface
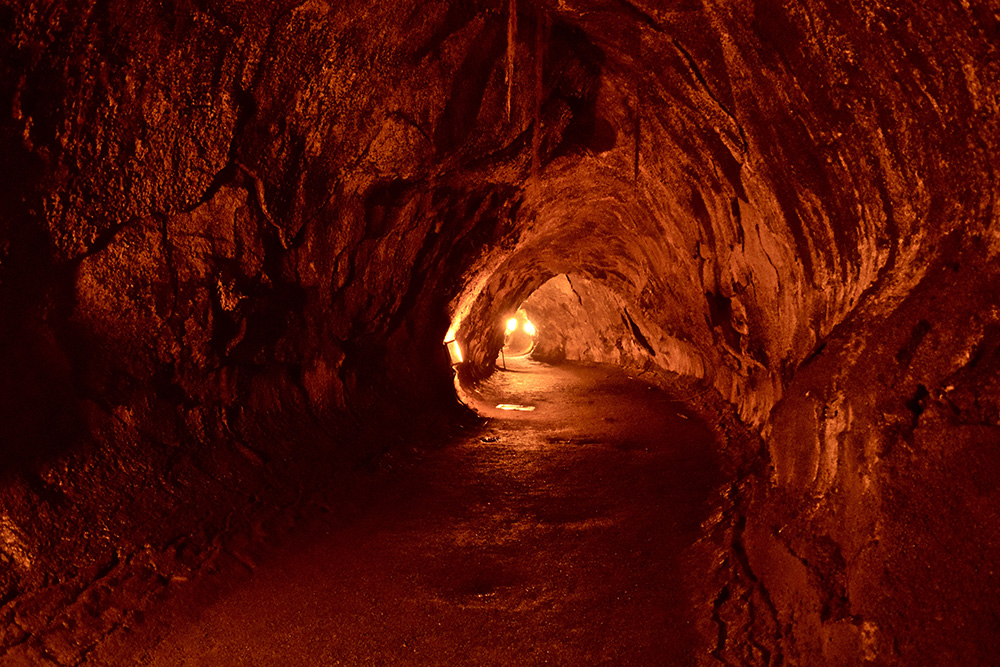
x,y
231,233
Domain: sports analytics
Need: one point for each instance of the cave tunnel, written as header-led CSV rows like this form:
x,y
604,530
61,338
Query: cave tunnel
x,y
249,252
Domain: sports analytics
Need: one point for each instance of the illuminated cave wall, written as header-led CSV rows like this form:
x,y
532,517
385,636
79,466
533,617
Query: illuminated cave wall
x,y
233,234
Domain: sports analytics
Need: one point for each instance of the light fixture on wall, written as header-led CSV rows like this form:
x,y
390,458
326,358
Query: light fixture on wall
x,y
454,351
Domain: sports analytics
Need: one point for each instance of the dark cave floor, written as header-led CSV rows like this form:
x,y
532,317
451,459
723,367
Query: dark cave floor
x,y
556,536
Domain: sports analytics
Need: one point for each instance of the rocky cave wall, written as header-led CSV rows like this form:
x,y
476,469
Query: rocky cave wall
x,y
227,250
233,233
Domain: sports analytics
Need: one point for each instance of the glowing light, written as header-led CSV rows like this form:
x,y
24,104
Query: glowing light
x,y
529,328
454,351
514,406
511,325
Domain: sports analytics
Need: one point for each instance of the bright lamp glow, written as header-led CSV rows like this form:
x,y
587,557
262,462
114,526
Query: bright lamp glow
x,y
454,351
529,328
511,325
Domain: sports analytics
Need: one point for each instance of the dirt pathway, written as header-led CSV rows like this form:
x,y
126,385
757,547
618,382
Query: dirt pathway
x,y
552,537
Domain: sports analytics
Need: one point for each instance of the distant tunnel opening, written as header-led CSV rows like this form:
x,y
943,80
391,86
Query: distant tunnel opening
x,y
578,319
568,318
520,336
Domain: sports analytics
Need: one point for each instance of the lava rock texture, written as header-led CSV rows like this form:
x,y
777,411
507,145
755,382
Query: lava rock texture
x,y
233,234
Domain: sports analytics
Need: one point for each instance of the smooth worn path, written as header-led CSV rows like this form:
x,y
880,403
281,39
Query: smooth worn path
x,y
550,537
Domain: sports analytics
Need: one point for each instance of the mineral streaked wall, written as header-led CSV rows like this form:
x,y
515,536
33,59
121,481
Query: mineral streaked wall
x,y
223,220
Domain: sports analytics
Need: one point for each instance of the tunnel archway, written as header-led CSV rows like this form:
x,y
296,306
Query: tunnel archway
x,y
580,320
569,318
519,336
